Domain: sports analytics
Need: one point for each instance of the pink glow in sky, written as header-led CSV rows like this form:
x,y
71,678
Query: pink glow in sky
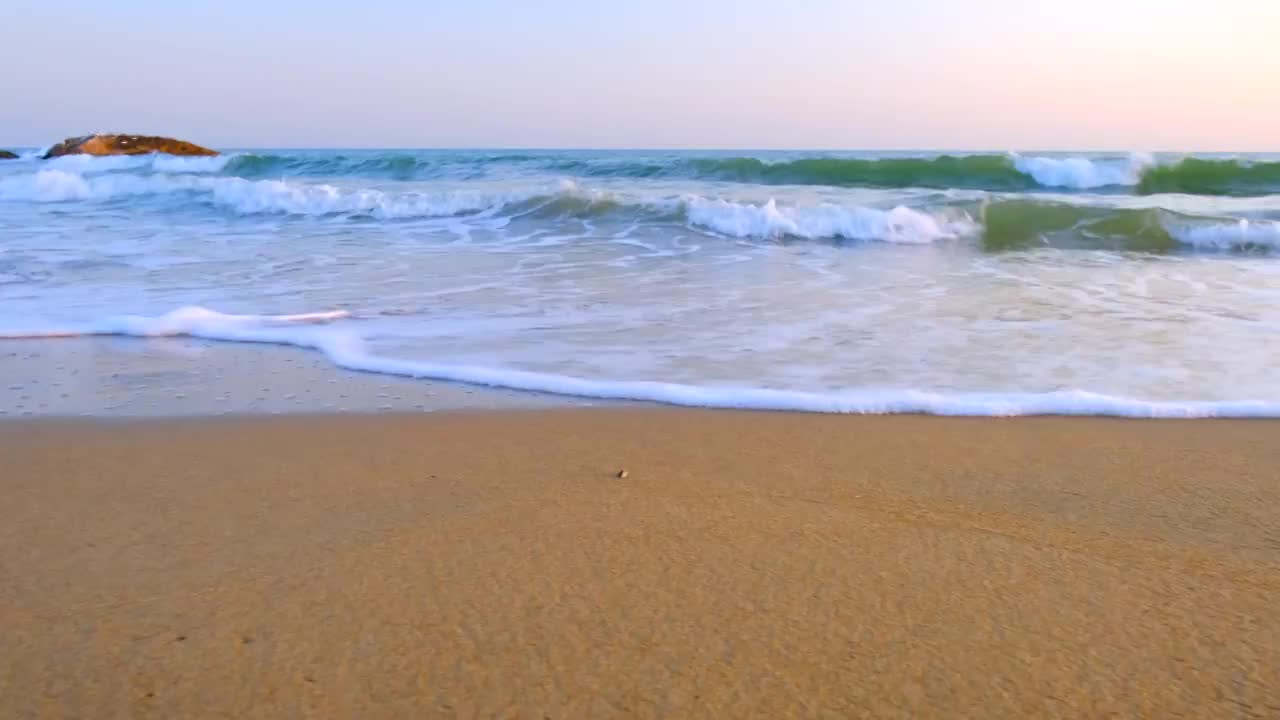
x,y
982,74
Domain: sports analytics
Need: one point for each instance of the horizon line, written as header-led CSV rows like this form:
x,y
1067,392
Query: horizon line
x,y
551,148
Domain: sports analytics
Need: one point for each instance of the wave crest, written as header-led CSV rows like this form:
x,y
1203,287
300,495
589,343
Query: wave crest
x,y
1017,224
1078,173
978,172
1197,176
1002,224
249,197
1013,172
768,220
156,162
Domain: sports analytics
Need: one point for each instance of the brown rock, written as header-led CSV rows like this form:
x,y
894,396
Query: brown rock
x,y
125,145
6,155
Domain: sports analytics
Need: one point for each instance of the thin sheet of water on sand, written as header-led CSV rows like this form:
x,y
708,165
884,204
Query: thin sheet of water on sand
x,y
128,377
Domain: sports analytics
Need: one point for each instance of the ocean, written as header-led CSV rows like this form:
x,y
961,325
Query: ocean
x,y
1121,284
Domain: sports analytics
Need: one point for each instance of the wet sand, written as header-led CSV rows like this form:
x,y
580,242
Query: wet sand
x,y
491,564
187,377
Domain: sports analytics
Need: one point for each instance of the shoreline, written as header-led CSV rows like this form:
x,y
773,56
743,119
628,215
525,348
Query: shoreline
x,y
110,378
750,564
196,376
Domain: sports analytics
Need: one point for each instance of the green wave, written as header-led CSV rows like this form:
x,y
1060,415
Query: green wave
x,y
996,173
983,172
1198,176
977,172
1021,224
402,166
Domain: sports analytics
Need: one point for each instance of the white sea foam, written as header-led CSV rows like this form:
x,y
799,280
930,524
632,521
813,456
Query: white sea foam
x,y
159,162
1226,236
277,196
176,164
757,220
1080,173
768,220
249,197
50,185
56,185
345,348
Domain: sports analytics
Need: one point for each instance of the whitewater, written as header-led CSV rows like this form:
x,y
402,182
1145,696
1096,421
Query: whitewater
x,y
1122,284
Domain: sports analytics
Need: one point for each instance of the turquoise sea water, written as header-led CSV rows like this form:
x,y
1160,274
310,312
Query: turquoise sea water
x,y
996,283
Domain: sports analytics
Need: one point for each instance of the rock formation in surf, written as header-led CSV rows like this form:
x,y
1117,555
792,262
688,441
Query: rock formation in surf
x,y
6,155
125,145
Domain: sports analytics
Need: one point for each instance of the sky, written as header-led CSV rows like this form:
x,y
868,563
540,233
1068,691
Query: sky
x,y
1176,75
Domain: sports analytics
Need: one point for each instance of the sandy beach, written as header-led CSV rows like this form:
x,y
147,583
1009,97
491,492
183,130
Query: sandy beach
x,y
176,376
581,361
492,564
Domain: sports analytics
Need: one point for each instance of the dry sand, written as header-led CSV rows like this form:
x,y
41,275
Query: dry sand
x,y
750,565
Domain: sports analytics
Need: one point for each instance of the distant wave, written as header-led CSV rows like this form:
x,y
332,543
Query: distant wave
x,y
974,172
1135,173
1197,176
971,172
90,164
249,197
1078,173
345,348
393,166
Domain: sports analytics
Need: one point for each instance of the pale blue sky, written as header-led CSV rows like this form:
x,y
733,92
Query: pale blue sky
x,y
981,74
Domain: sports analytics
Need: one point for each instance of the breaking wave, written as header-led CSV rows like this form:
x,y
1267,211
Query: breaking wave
x,y
1012,172
1019,224
1002,224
